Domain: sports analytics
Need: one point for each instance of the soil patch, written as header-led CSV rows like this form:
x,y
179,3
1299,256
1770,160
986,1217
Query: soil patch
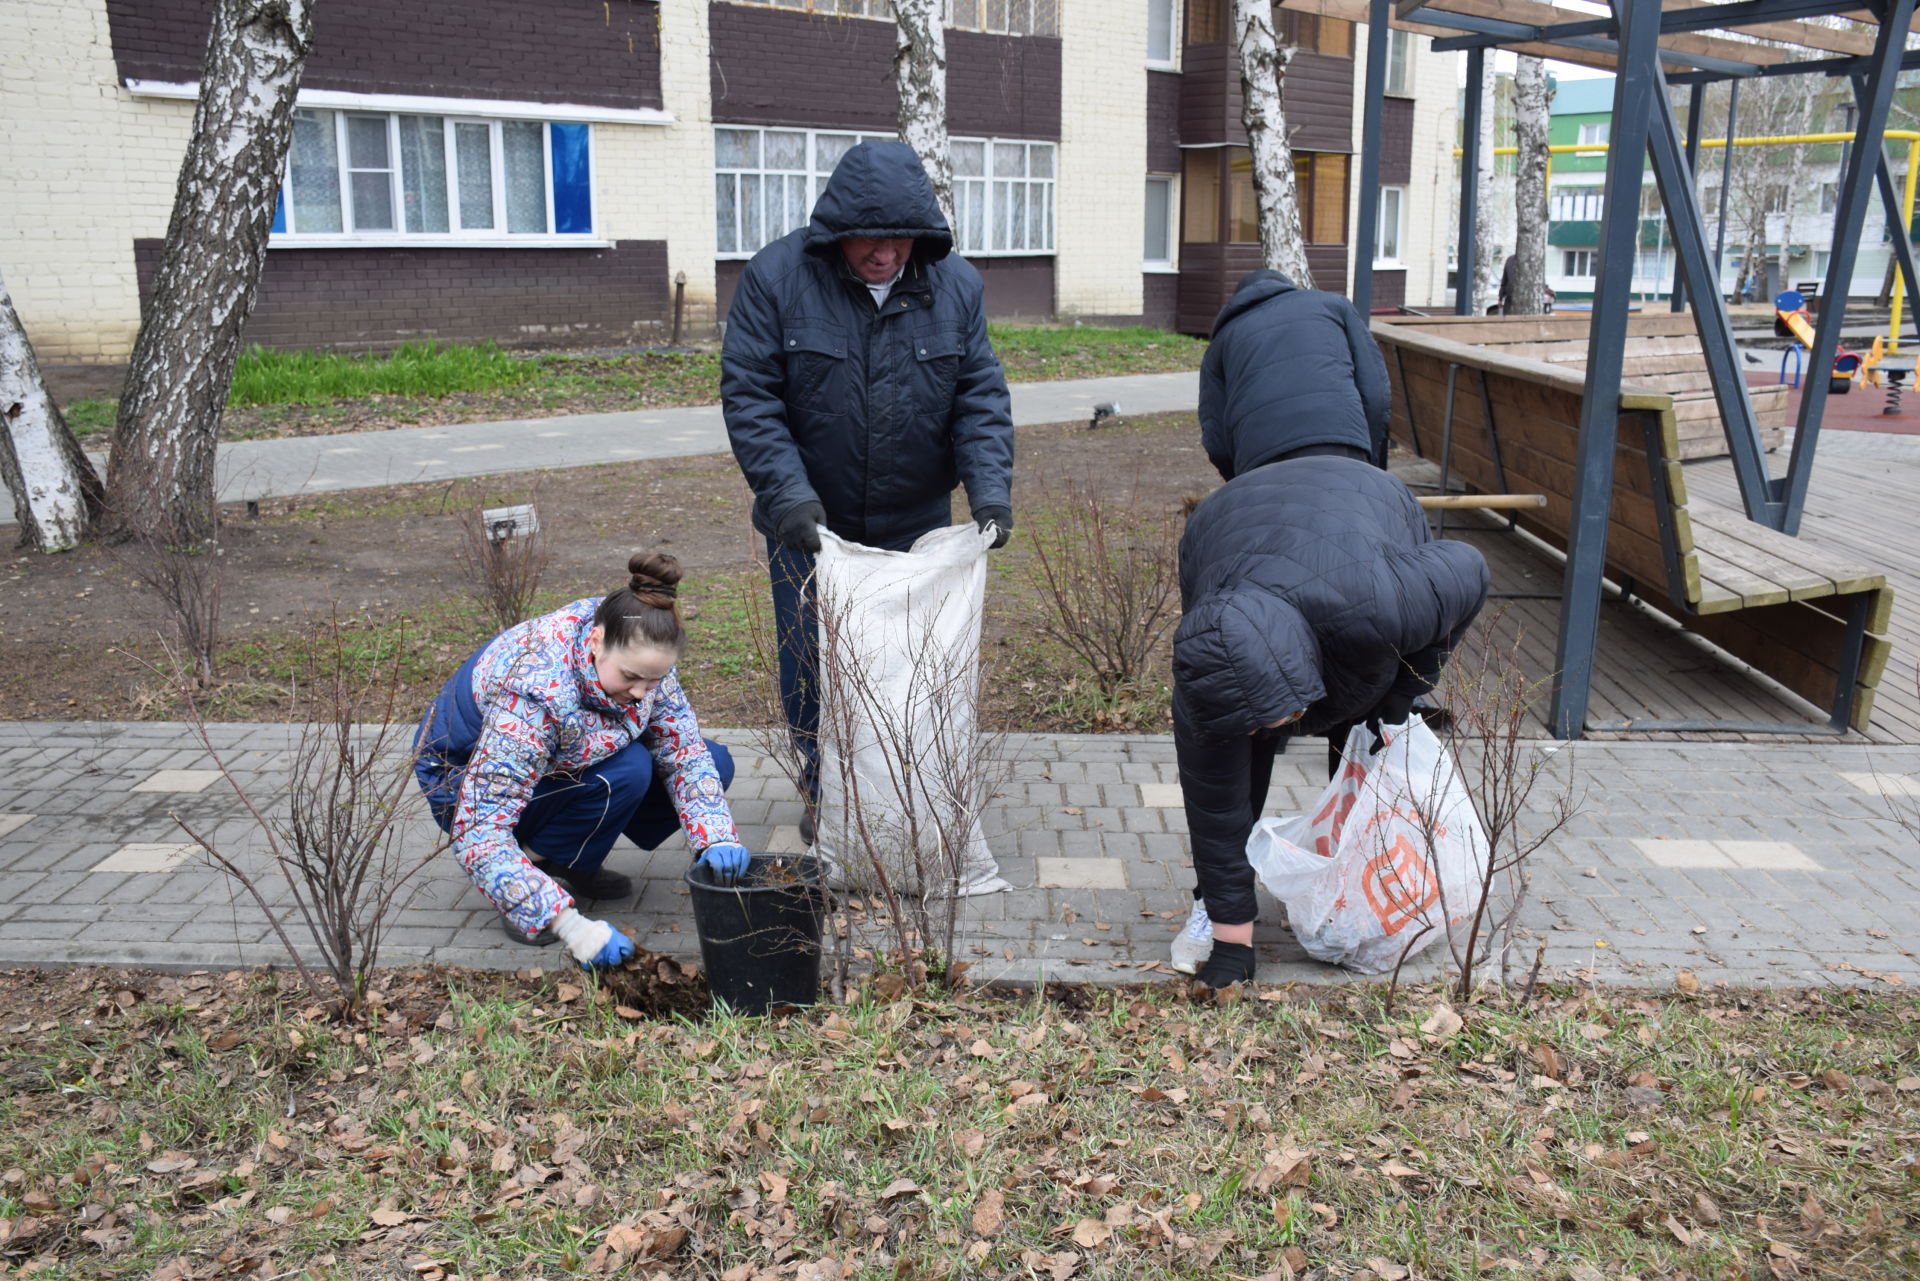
x,y
80,638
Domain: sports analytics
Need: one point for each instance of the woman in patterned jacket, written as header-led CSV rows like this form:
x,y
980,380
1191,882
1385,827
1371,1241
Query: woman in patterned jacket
x,y
562,733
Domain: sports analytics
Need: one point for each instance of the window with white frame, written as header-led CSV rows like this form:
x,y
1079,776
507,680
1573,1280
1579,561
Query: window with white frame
x,y
1157,253
1160,31
1399,62
766,181
1576,262
1653,265
1576,204
357,174
1391,225
1003,196
1006,17
1595,133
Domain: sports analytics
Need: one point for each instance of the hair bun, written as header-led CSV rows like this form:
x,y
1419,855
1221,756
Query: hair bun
x,y
652,571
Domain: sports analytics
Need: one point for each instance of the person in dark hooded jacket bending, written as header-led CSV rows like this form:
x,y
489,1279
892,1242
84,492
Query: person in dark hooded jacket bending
x,y
1290,373
1314,598
858,388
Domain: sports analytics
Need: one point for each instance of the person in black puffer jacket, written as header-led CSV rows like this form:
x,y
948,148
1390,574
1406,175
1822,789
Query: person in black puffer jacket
x,y
858,388
1290,373
1314,598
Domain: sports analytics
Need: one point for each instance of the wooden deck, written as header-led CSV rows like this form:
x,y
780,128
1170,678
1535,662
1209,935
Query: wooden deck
x,y
1646,668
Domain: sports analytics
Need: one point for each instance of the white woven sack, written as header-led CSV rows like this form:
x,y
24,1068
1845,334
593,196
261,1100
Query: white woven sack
x,y
909,623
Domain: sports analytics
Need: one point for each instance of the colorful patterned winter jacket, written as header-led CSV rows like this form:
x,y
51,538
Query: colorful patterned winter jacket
x,y
529,705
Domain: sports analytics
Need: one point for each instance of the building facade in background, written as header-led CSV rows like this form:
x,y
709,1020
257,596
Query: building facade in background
x,y
557,172
1781,198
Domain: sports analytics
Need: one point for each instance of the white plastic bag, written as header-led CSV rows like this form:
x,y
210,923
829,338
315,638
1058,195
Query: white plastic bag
x,y
899,685
1388,859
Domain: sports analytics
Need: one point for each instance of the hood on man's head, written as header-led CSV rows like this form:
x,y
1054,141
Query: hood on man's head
x,y
880,189
1254,288
1244,659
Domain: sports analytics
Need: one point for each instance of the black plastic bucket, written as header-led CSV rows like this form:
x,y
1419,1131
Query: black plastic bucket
x,y
760,943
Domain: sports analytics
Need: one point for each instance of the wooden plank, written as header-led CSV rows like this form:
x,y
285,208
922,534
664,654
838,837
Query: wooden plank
x,y
1723,562
1841,576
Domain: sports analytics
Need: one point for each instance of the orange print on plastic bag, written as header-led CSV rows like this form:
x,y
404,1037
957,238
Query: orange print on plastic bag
x,y
1337,810
1398,885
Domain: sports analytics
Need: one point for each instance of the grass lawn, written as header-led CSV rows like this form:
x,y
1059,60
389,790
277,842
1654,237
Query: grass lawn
x,y
279,393
527,1126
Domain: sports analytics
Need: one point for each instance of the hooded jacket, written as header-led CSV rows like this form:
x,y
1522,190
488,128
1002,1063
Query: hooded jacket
x,y
875,412
1288,368
1309,584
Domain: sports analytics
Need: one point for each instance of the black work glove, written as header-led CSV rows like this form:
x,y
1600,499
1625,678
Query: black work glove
x,y
999,517
800,528
1230,963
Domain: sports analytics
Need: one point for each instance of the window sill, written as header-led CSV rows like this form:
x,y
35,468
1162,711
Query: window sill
x,y
499,109
1389,264
1159,269
1162,66
437,242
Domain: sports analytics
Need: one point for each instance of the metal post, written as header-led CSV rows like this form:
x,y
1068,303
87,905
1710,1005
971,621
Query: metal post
x,y
1469,182
1889,46
1722,356
1367,242
1634,88
1694,95
1898,229
1726,189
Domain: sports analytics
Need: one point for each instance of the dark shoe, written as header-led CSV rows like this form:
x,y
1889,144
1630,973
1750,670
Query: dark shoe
x,y
1229,963
545,938
595,886
806,829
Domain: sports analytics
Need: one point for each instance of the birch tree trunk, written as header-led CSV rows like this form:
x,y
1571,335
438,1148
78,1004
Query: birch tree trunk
x,y
1263,66
160,474
56,494
1530,100
920,76
1487,262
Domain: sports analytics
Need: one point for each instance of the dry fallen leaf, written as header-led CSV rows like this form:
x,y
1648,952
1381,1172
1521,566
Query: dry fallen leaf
x,y
389,1218
990,1213
1090,1234
1443,1023
1687,981
971,1141
900,1188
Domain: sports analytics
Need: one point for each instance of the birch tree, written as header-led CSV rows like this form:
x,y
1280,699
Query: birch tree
x,y
1530,99
160,474
1263,65
920,76
56,494
1486,261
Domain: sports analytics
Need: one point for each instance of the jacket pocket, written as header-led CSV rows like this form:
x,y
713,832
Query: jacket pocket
x,y
936,354
816,368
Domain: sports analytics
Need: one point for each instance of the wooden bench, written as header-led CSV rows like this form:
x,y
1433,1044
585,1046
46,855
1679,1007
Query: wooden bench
x,y
1502,424
1663,354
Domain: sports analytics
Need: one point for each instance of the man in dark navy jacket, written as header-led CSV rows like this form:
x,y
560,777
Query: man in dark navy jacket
x,y
1290,373
859,388
1314,598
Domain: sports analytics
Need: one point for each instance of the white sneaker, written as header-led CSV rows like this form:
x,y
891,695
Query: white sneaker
x,y
1194,944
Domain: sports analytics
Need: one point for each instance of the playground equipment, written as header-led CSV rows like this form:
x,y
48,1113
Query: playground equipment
x,y
1790,320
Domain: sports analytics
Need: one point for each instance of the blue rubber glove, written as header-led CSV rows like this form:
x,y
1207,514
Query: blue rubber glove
x,y
592,943
728,862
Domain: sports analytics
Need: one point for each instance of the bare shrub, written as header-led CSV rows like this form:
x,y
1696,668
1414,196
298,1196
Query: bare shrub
x,y
1106,570
1522,799
336,836
504,558
914,770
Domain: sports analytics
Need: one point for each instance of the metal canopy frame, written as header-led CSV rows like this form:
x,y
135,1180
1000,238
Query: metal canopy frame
x,y
1644,125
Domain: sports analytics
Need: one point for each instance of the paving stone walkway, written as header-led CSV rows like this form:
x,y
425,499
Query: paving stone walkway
x,y
1738,862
